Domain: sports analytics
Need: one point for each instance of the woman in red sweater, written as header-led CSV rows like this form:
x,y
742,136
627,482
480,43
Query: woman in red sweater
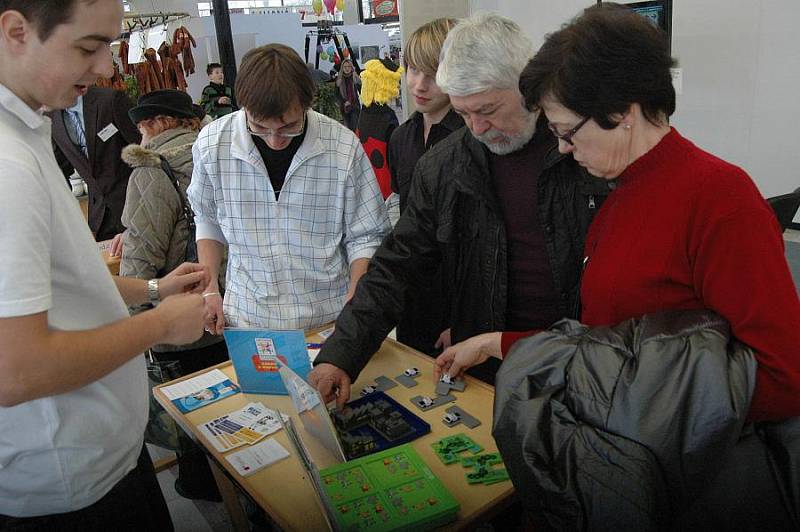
x,y
683,229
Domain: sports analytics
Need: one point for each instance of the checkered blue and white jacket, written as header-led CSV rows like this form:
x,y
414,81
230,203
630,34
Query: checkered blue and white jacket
x,y
289,259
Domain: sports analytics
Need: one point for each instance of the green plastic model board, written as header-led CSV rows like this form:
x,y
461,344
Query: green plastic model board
x,y
387,491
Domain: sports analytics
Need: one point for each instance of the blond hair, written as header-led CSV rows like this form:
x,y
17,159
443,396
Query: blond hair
x,y
378,83
425,44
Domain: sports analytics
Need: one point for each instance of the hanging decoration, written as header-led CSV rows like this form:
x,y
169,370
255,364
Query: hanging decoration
x,y
182,43
164,67
331,5
340,5
171,68
316,5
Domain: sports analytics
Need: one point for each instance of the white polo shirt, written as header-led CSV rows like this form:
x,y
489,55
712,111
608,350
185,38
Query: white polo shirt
x,y
64,452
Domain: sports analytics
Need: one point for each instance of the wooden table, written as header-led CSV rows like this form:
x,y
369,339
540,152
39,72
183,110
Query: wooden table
x,y
285,493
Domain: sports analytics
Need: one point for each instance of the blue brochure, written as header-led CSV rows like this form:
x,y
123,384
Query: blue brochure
x,y
206,396
255,354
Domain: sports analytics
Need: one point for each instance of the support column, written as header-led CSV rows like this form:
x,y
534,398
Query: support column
x,y
415,13
350,15
222,24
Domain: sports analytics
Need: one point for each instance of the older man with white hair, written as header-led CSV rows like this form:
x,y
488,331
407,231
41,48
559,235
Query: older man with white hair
x,y
495,204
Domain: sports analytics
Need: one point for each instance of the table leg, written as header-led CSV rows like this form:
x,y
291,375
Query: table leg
x,y
230,498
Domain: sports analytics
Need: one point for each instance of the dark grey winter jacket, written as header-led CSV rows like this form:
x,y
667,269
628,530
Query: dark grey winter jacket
x,y
620,428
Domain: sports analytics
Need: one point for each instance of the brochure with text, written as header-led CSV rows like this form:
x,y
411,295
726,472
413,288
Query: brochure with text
x,y
255,354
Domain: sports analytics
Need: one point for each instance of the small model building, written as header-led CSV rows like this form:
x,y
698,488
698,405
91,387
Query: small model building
x,y
451,417
425,402
357,444
411,372
378,415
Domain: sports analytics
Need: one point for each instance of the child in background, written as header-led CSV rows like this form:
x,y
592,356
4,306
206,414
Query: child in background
x,y
217,99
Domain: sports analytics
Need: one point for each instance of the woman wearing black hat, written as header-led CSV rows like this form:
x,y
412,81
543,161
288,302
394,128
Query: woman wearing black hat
x,y
157,234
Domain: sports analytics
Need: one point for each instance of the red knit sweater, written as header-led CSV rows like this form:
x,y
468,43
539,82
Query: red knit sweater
x,y
686,230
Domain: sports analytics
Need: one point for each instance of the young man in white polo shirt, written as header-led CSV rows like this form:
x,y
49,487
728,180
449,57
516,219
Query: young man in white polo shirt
x,y
73,390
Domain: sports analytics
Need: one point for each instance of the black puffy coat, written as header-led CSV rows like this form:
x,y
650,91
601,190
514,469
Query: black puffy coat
x,y
453,219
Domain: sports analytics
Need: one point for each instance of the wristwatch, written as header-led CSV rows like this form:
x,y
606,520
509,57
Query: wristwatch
x,y
152,291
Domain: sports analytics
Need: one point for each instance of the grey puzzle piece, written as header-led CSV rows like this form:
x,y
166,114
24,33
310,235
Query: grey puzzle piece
x,y
443,388
439,400
458,385
384,383
405,380
466,419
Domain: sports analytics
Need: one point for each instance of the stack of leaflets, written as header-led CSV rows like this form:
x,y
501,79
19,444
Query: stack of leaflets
x,y
199,391
245,426
253,459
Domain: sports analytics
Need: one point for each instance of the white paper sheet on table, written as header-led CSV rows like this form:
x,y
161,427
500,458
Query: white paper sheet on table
x,y
193,385
248,461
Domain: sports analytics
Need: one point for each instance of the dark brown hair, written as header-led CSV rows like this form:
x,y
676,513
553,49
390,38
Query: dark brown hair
x,y
45,15
602,62
270,79
211,67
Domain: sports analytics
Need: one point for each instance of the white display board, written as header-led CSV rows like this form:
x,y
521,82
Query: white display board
x,y
142,40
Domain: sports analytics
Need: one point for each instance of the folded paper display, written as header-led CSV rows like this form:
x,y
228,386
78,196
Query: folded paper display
x,y
257,354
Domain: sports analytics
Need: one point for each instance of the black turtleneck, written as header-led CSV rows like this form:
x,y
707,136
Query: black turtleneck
x,y
278,161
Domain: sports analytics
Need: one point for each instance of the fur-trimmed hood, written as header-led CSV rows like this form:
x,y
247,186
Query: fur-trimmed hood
x,y
175,145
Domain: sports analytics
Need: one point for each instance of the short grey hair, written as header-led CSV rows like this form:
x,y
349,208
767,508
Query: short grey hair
x,y
483,52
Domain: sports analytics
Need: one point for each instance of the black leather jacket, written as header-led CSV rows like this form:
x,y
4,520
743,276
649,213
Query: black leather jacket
x,y
453,218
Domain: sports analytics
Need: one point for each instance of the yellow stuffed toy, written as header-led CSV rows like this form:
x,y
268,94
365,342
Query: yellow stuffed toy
x,y
380,83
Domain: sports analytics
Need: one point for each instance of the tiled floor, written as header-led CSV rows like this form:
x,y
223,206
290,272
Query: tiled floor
x,y
791,235
188,515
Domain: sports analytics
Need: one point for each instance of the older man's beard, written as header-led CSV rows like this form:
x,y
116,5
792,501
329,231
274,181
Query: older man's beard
x,y
510,143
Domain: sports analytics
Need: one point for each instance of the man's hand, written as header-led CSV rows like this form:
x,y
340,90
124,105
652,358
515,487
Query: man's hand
x,y
349,295
224,100
214,317
331,382
183,316
444,340
188,277
115,250
462,356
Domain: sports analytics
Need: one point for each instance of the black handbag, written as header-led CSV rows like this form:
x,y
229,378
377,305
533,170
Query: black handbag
x,y
191,243
161,429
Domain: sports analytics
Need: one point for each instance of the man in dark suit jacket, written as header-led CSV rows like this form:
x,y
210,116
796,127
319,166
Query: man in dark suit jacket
x,y
107,129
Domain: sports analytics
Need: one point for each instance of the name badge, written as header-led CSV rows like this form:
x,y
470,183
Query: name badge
x,y
107,132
